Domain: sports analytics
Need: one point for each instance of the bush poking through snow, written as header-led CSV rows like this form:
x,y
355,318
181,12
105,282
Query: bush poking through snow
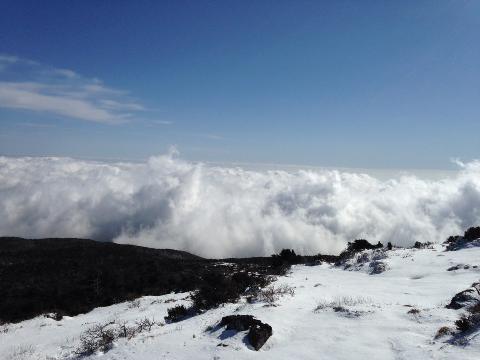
x,y
469,297
217,289
272,294
97,338
443,331
354,248
472,233
470,238
145,324
355,259
342,302
420,245
468,322
134,304
176,313
22,352
100,337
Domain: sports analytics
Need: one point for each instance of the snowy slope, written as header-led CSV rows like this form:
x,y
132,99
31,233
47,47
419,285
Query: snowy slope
x,y
374,324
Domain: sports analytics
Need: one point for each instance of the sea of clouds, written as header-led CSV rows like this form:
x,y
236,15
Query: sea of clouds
x,y
220,211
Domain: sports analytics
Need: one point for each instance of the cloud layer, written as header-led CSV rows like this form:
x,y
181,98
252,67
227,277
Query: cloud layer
x,y
62,92
221,211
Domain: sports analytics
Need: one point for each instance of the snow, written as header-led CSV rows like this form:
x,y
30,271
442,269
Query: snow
x,y
374,323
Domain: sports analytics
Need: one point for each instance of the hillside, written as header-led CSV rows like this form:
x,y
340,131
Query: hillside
x,y
350,310
71,276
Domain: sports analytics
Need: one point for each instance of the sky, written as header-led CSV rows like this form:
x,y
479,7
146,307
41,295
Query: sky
x,y
365,84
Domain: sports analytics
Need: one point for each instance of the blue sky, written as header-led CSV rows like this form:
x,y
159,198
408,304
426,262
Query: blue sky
x,y
378,84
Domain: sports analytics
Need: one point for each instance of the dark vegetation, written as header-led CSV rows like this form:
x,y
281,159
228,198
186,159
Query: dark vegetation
x,y
420,245
356,247
469,299
470,237
469,321
218,288
72,276
176,313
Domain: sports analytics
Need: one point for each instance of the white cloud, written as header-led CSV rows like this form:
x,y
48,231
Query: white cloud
x,y
221,211
16,96
62,92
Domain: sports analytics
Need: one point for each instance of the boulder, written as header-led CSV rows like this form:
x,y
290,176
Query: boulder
x,y
239,322
259,334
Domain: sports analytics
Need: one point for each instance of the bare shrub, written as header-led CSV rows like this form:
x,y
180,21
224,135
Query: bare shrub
x,y
97,338
271,294
468,322
145,324
126,331
134,304
443,331
21,352
100,337
342,302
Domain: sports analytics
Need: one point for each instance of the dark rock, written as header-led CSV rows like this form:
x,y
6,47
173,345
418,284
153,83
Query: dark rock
x,y
259,334
456,267
238,322
389,246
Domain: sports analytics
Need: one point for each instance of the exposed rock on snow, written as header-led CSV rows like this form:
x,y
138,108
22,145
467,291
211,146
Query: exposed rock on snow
x,y
258,332
358,317
238,322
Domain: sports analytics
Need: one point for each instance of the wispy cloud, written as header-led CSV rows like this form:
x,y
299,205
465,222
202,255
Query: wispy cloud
x,y
63,92
161,122
209,136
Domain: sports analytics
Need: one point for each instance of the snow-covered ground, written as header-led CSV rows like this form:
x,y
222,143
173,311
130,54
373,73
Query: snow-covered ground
x,y
375,323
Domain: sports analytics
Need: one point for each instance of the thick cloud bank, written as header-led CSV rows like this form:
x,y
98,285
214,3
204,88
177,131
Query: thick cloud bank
x,y
221,211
